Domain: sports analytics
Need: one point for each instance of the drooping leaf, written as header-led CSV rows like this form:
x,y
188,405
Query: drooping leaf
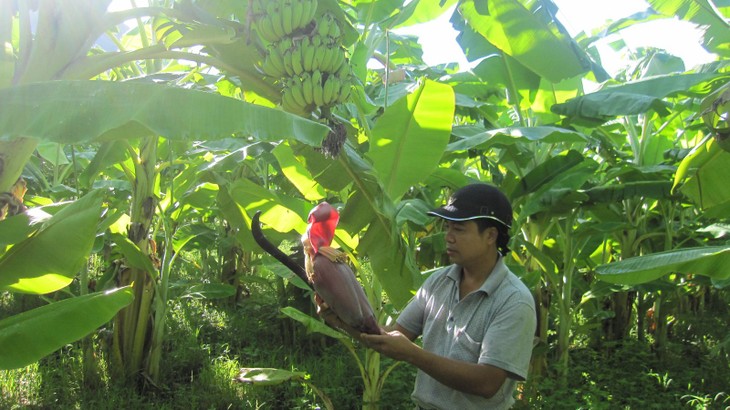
x,y
49,260
514,135
712,261
29,336
133,256
625,190
280,212
546,172
702,176
408,141
297,173
522,35
18,227
703,13
82,111
422,11
393,265
632,98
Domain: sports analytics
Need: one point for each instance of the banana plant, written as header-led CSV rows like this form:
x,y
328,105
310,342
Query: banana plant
x,y
105,101
64,234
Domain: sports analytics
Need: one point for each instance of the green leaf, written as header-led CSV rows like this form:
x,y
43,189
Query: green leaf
x,y
18,227
632,98
203,290
423,12
546,172
266,376
29,336
297,173
83,111
282,213
703,13
133,256
712,261
514,135
109,153
520,34
49,260
312,324
408,141
391,261
702,176
612,194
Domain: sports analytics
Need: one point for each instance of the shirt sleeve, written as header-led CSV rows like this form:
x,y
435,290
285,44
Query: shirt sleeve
x,y
508,341
413,315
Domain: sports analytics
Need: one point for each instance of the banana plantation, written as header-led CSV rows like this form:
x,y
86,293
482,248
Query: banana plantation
x,y
145,144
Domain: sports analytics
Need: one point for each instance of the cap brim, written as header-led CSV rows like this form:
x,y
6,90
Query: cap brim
x,y
457,217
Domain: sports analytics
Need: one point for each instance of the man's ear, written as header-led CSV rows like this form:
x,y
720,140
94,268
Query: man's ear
x,y
492,234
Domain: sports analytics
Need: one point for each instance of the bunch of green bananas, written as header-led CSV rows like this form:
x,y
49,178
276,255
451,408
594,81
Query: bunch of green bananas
x,y
304,54
276,19
303,93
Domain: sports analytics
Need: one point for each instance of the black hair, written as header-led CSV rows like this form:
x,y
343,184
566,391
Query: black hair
x,y
503,236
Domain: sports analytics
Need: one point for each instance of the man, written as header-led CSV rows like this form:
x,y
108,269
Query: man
x,y
476,318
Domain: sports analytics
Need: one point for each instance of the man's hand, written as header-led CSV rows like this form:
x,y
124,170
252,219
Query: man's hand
x,y
394,344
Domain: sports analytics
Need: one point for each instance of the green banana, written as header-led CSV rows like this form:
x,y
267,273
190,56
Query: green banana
x,y
297,18
338,59
296,59
329,59
297,92
309,8
313,5
343,72
269,69
334,29
277,61
317,90
323,25
308,54
344,93
307,88
273,11
284,45
265,30
288,62
288,103
331,85
287,18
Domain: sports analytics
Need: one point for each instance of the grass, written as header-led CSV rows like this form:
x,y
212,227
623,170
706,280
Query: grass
x,y
207,343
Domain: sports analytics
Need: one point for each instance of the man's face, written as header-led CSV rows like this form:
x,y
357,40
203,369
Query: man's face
x,y
465,245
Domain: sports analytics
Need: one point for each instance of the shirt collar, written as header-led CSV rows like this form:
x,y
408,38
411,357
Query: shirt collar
x,y
493,280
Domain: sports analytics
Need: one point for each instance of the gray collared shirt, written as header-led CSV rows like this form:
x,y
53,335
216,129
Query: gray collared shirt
x,y
493,325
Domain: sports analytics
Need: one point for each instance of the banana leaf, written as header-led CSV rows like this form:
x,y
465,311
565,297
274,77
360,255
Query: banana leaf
x,y
633,98
702,176
312,324
513,29
703,13
409,139
49,259
29,336
711,261
73,112
267,376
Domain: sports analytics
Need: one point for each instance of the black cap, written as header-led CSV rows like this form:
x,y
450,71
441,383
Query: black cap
x,y
476,201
